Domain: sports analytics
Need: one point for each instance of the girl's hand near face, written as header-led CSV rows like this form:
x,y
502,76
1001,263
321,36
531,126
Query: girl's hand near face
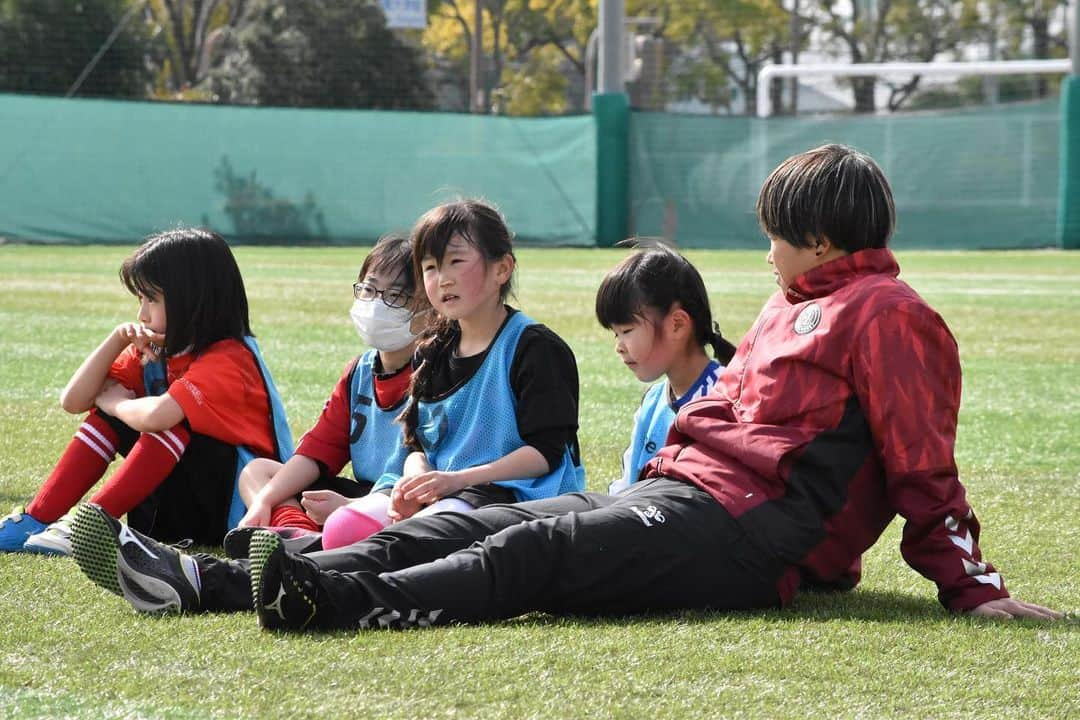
x,y
145,340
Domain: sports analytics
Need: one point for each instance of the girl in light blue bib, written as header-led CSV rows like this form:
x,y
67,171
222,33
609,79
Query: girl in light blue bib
x,y
493,408
656,304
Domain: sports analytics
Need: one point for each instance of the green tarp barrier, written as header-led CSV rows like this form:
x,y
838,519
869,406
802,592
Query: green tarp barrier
x,y
107,171
962,179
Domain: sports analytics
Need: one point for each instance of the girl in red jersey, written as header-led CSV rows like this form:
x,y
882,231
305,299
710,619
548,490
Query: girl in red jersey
x,y
182,395
357,423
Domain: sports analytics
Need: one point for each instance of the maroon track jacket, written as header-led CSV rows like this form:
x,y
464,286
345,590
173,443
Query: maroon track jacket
x,y
838,412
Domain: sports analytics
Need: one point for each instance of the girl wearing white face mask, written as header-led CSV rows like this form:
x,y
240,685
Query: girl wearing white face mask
x,y
358,422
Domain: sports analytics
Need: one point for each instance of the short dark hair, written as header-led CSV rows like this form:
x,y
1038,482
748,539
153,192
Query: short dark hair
x,y
657,277
194,271
393,256
832,190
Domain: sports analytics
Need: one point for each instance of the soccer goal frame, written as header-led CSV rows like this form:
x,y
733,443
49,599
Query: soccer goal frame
x,y
1068,205
929,69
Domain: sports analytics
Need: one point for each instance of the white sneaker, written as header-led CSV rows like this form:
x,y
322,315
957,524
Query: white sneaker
x,y
53,540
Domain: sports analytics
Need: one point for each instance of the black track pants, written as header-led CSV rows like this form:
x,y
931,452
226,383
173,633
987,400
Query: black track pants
x,y
663,545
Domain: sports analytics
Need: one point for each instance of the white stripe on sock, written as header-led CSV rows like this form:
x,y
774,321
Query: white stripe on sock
x,y
167,445
177,442
105,443
92,445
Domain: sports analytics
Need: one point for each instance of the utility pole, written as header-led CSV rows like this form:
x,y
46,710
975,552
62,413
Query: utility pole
x,y
1069,185
611,108
1074,40
612,19
794,82
476,60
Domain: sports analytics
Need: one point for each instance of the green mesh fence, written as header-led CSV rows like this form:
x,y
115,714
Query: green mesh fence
x,y
101,171
962,179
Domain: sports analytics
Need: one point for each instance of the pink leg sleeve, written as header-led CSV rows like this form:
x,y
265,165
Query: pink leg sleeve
x,y
356,521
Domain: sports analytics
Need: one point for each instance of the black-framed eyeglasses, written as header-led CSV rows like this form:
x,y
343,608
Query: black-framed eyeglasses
x,y
391,297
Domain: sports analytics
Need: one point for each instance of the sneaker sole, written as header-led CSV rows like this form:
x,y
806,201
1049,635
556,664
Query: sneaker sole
x,y
263,547
96,548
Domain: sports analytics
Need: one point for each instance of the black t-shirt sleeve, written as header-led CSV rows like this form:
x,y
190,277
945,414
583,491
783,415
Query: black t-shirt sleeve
x,y
544,379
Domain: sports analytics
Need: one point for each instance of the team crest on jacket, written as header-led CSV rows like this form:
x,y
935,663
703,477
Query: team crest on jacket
x,y
808,319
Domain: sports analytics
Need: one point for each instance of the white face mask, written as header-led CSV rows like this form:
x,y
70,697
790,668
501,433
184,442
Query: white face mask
x,y
383,328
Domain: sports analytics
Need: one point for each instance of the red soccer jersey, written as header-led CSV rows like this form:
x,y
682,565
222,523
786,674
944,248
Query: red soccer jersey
x,y
838,412
221,392
328,441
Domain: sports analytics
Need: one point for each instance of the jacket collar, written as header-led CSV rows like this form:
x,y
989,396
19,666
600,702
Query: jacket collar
x,y
831,276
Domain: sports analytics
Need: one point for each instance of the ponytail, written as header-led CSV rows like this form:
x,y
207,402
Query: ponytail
x,y
435,342
723,350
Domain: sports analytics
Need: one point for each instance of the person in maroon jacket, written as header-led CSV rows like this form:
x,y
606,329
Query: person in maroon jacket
x,y
837,413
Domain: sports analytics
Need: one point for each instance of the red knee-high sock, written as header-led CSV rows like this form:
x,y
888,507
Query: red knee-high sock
x,y
150,461
82,464
289,516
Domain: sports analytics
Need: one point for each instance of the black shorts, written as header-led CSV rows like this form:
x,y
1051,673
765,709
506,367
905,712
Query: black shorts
x,y
347,487
192,502
480,495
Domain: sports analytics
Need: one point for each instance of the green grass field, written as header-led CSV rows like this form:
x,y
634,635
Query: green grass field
x,y
69,649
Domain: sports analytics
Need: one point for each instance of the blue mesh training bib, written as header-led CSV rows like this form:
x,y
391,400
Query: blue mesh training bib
x,y
375,440
477,423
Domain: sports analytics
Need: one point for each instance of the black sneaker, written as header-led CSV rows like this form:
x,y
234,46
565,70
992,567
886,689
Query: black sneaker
x,y
296,540
282,585
152,576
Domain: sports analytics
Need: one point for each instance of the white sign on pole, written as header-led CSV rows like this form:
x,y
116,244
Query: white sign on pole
x,y
405,13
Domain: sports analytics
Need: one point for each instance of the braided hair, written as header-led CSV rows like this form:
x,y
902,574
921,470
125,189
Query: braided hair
x,y
483,227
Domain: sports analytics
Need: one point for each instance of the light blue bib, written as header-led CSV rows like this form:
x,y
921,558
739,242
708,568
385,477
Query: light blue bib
x,y
477,423
375,439
652,422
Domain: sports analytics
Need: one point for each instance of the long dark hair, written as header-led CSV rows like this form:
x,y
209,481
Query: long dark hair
x,y
657,277
194,271
483,227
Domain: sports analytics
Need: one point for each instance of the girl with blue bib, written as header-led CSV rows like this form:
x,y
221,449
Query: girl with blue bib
x,y
357,424
655,303
182,395
493,409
